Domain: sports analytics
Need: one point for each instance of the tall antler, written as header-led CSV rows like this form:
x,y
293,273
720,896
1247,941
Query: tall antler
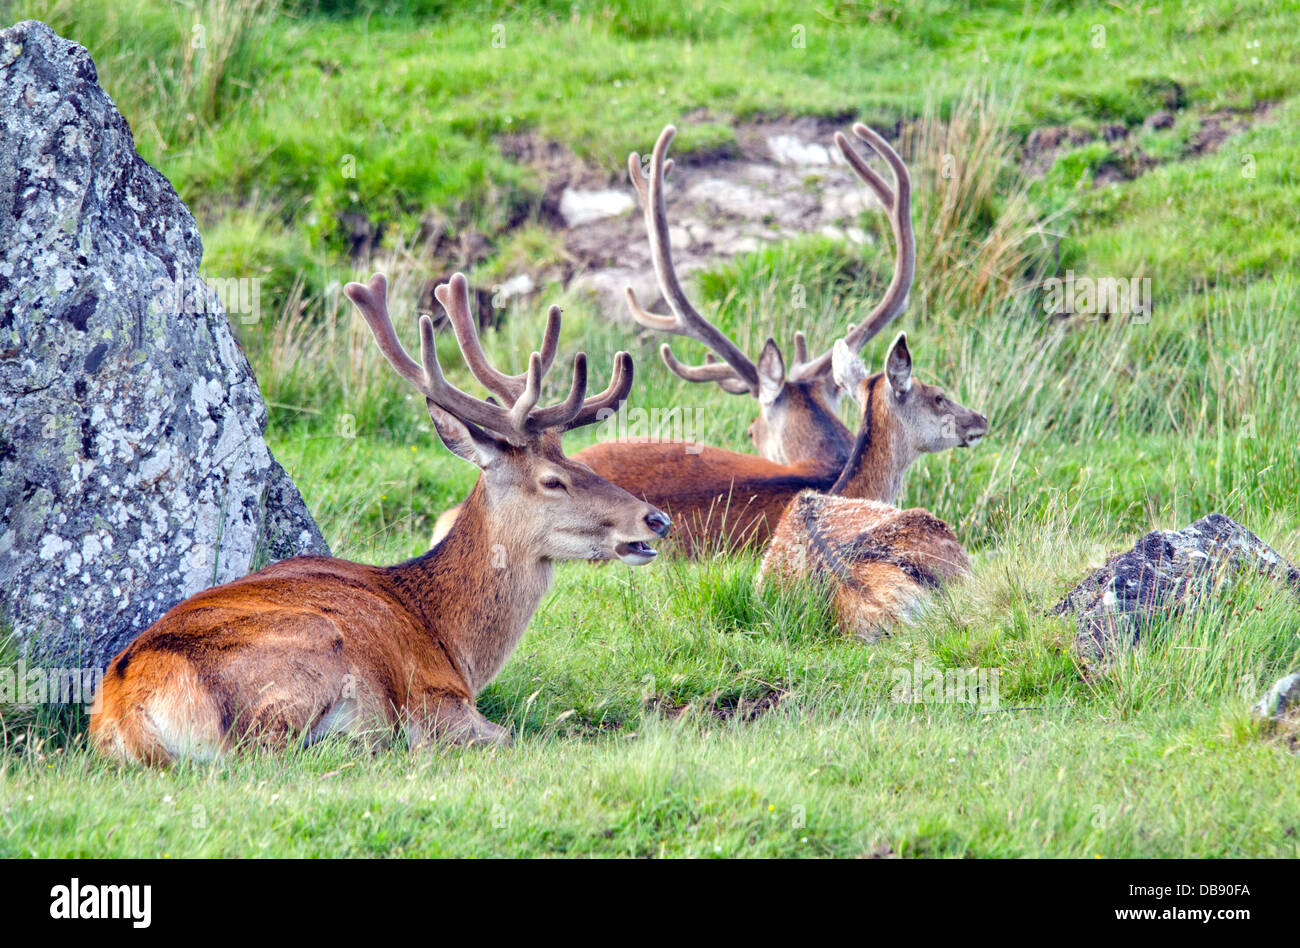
x,y
898,205
517,418
736,373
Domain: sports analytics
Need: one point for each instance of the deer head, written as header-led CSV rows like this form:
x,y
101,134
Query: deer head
x,y
902,418
550,506
797,419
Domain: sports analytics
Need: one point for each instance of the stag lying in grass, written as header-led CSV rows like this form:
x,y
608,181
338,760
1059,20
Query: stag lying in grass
x,y
879,564
315,645
724,498
797,421
720,498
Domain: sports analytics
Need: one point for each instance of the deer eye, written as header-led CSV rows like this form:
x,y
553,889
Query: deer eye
x,y
554,483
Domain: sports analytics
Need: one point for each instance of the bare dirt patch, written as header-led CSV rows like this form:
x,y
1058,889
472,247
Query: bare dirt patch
x,y
1046,144
1219,126
722,708
782,179
556,166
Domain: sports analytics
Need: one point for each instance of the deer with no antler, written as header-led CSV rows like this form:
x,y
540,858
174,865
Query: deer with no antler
x,y
316,645
878,564
729,499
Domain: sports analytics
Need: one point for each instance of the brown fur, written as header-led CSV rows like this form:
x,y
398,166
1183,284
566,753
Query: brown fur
x,y
879,563
315,645
801,426
714,496
728,500
270,656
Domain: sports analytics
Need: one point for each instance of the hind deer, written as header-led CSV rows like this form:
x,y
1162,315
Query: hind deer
x,y
315,645
797,430
878,563
727,499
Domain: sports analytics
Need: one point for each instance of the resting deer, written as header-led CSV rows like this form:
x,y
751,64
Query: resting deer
x,y
879,563
725,495
797,422
316,645
732,499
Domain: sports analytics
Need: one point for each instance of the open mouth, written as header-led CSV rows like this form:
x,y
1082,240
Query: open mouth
x,y
972,440
636,553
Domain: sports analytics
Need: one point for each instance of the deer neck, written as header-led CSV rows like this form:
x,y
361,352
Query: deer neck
x,y
881,454
814,434
476,591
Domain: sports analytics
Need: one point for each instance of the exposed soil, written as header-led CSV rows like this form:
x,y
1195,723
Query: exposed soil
x,y
723,708
556,166
781,177
1219,126
1044,145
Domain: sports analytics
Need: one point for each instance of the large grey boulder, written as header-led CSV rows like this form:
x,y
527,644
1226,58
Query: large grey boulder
x,y
133,471
1166,570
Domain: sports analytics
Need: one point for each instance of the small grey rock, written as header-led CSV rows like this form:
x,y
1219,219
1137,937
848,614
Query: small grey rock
x,y
582,207
1165,571
1280,699
133,471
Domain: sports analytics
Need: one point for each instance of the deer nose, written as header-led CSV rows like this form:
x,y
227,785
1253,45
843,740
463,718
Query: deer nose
x,y
658,523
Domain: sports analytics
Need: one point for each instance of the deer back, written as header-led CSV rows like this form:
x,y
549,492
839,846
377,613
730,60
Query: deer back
x,y
879,563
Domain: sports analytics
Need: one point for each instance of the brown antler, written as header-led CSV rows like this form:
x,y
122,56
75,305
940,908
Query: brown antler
x,y
897,202
517,418
736,373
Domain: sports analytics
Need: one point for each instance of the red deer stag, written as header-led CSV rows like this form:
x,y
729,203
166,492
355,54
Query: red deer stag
x,y
878,563
724,496
316,645
730,499
797,420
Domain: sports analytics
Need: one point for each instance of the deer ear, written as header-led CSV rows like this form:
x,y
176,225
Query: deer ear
x,y
464,439
898,366
847,369
771,372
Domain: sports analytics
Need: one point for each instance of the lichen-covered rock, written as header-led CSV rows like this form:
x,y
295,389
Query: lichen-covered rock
x,y
1163,572
133,472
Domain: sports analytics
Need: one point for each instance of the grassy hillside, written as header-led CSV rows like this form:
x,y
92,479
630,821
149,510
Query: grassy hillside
x,y
674,710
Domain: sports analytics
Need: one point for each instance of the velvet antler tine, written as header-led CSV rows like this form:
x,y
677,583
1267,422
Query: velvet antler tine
x,y
559,416
685,320
371,300
897,202
551,338
595,408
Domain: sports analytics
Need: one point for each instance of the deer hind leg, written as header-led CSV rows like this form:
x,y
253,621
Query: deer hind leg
x,y
444,717
882,596
156,710
294,685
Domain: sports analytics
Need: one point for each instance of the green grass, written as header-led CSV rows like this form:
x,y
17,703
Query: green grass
x,y
646,701
1157,759
256,128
